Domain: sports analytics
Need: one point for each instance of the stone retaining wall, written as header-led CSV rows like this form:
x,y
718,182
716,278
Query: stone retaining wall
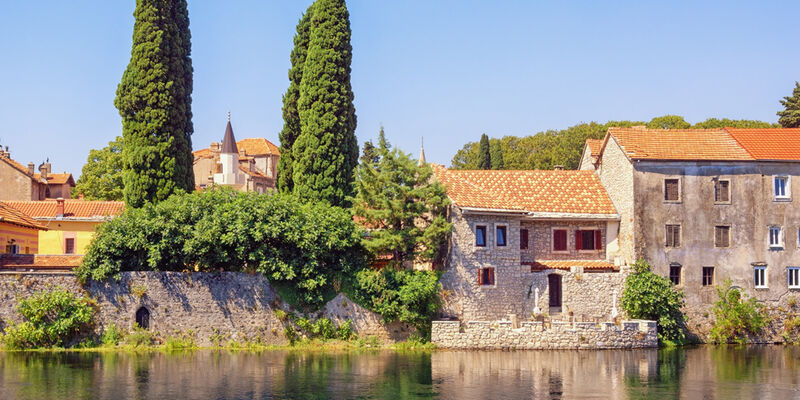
x,y
501,335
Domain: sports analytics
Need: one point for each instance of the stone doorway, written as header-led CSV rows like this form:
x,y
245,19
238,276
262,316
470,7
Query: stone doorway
x,y
554,288
143,318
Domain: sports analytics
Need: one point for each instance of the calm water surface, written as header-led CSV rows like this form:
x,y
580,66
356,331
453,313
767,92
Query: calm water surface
x,y
764,372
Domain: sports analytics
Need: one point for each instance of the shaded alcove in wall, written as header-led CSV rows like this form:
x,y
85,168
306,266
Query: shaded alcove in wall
x,y
143,318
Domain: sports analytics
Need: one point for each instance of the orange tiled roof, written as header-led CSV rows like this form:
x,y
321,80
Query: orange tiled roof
x,y
679,144
14,164
56,179
253,173
540,265
73,208
40,261
568,191
202,153
594,146
769,144
12,215
257,147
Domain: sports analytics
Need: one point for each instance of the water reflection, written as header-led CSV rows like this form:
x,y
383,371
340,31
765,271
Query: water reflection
x,y
768,372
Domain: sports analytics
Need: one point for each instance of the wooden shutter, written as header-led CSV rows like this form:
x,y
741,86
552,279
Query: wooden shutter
x,y
676,235
490,272
523,239
559,240
598,240
669,240
480,276
578,240
671,189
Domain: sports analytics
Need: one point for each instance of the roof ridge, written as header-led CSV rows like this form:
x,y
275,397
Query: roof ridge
x,y
735,139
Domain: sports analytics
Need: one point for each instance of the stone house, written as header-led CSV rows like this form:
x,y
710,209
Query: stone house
x,y
247,165
519,233
706,205
18,182
19,233
70,224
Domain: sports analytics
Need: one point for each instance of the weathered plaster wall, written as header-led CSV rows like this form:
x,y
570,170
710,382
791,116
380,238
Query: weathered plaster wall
x,y
501,335
616,175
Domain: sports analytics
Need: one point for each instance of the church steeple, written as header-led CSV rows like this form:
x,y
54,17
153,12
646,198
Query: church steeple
x,y
229,142
422,152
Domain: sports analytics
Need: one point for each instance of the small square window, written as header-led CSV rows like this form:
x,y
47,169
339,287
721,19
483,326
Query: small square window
x,y
775,237
675,274
671,190
760,277
722,236
673,236
480,236
722,191
793,277
486,276
782,189
523,239
500,235
708,276
559,240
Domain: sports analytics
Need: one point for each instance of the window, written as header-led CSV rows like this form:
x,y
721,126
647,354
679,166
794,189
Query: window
x,y
69,246
480,236
12,249
775,237
722,191
793,277
673,236
486,276
559,240
675,274
760,276
590,239
722,236
523,239
671,190
500,235
781,186
708,276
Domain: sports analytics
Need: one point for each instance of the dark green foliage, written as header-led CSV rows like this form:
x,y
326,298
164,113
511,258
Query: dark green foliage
x,y
101,177
304,246
326,152
653,297
401,206
790,115
715,123
484,153
325,329
668,122
737,315
291,117
399,295
54,317
154,99
496,155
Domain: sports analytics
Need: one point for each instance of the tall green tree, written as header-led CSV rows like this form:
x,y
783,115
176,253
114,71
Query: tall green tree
x,y
484,153
101,176
668,122
154,99
496,154
326,152
291,117
790,116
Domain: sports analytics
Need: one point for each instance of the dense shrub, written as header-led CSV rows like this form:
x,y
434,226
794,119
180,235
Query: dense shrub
x,y
322,328
51,318
292,243
399,295
653,297
737,315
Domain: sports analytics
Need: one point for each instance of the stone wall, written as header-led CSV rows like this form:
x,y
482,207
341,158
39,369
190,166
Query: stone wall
x,y
502,335
588,295
212,306
540,241
616,174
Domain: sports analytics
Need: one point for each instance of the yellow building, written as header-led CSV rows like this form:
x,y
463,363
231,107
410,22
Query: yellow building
x,y
19,233
70,224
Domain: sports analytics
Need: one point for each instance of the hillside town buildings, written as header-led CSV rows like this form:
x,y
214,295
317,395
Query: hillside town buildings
x,y
20,182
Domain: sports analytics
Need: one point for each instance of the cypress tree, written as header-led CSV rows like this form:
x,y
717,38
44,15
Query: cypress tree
x,y
484,156
154,99
326,152
496,154
291,118
790,117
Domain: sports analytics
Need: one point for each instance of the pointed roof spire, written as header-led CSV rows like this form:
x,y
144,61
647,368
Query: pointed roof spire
x,y
422,151
229,142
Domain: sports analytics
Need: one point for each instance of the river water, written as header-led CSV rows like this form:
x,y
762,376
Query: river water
x,y
763,372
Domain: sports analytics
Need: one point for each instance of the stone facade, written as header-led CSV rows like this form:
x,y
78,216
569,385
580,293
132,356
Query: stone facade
x,y
540,240
211,306
502,335
18,182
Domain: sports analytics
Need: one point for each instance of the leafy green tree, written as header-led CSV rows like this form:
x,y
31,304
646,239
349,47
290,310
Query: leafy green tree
x,y
403,207
54,317
715,123
790,116
154,99
466,157
496,154
326,152
291,117
737,315
650,296
484,153
101,177
668,122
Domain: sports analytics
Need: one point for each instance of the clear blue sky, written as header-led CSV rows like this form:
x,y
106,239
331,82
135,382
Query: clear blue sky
x,y
445,70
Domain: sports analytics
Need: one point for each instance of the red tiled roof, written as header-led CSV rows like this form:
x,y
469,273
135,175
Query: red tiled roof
x,y
769,144
253,173
56,179
679,144
257,147
14,164
40,261
567,264
73,208
202,153
594,146
576,192
12,215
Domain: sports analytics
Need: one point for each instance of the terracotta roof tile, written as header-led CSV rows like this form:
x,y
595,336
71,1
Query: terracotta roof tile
x,y
202,153
56,179
73,208
540,265
14,164
769,144
13,215
258,147
679,144
576,192
594,146
253,173
40,261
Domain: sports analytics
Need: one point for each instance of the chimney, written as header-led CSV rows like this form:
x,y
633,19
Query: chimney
x,y
558,167
60,207
43,170
31,169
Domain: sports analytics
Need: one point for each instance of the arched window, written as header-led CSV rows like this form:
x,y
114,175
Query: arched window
x,y
143,318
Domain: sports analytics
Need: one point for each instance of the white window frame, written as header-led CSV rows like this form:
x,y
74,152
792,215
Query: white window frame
x,y
664,189
553,230
764,277
796,271
486,244
498,225
779,244
787,188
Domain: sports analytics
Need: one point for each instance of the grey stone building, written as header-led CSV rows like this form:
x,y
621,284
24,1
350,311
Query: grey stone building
x,y
706,205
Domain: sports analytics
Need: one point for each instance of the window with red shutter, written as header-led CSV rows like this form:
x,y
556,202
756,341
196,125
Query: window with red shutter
x,y
598,240
578,240
486,276
559,240
590,239
523,239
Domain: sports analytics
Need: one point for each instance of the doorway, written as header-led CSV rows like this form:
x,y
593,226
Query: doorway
x,y
143,318
554,287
